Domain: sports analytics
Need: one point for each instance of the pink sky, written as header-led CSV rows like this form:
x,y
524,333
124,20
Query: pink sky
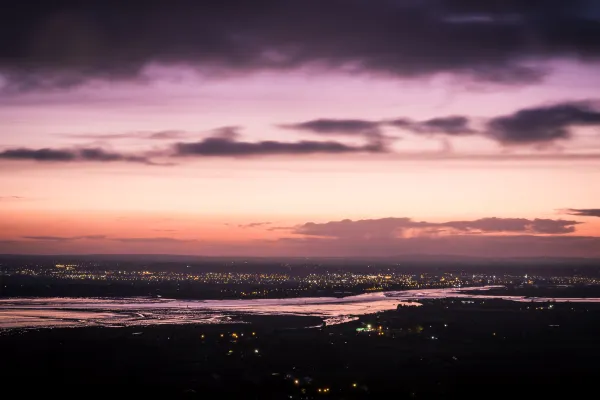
x,y
201,205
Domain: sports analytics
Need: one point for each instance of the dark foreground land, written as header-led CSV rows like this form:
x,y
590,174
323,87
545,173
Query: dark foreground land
x,y
444,349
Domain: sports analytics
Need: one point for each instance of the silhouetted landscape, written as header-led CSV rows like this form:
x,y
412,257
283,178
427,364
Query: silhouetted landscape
x,y
460,342
443,349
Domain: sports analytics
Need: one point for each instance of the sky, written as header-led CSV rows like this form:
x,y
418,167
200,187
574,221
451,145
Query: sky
x,y
330,128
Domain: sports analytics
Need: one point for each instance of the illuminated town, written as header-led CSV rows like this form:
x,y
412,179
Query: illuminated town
x,y
295,281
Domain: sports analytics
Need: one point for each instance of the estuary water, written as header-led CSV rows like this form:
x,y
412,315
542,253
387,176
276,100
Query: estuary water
x,y
138,311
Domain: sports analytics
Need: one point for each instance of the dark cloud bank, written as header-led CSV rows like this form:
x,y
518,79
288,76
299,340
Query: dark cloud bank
x,y
535,125
461,245
453,125
589,212
70,155
543,124
394,227
486,237
217,146
63,43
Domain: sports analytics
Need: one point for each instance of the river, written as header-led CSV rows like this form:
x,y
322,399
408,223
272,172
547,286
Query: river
x,y
138,311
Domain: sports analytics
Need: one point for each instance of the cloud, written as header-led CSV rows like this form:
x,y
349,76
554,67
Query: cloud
x,y
65,43
7,198
452,125
152,240
225,147
485,237
514,225
588,212
254,225
327,126
167,135
69,155
159,135
499,246
104,237
104,156
65,238
226,132
281,228
368,228
455,125
38,155
92,237
535,125
48,238
390,228
545,124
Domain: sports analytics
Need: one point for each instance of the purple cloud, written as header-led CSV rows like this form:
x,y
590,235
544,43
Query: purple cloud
x,y
254,225
484,40
225,147
545,124
70,155
383,228
586,212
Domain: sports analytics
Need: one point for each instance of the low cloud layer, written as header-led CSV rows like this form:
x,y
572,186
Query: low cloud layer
x,y
458,245
225,147
452,125
586,212
372,229
485,237
500,246
159,135
348,127
254,225
65,238
70,155
150,240
535,125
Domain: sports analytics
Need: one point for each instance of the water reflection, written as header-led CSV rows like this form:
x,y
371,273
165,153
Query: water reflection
x,y
460,292
55,312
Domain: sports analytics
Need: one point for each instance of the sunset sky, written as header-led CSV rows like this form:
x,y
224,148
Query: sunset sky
x,y
301,128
